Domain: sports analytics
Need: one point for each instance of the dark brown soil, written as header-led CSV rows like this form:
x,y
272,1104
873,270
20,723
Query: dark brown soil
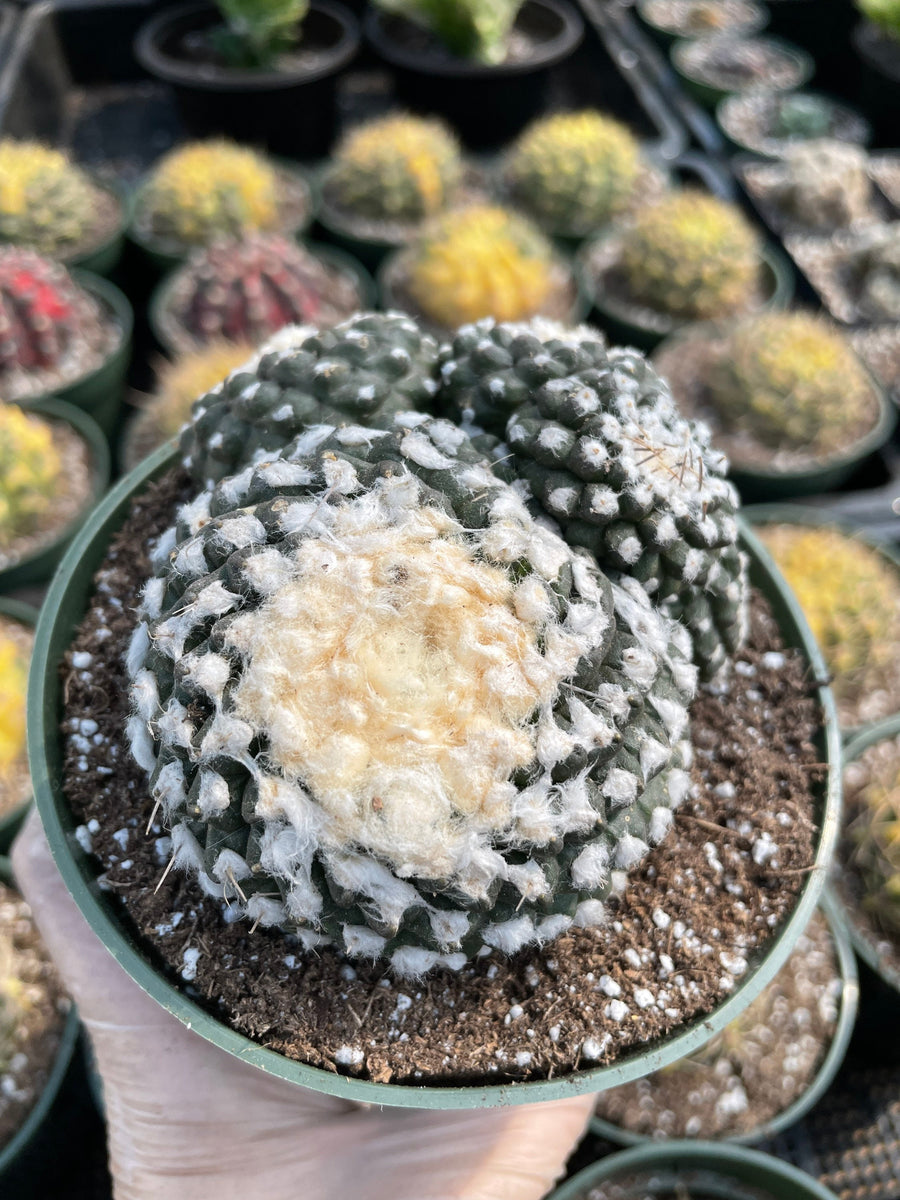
x,y
32,1014
15,782
685,929
755,1069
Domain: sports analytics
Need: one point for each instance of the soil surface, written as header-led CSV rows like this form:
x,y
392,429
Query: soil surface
x,y
753,120
15,783
688,925
31,1026
735,64
764,182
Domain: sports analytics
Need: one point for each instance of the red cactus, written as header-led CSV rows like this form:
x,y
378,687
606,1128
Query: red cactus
x,y
42,311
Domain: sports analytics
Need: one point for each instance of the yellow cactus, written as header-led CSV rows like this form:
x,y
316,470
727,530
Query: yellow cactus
x,y
850,595
690,254
478,262
13,684
574,171
45,200
30,471
875,830
396,168
205,190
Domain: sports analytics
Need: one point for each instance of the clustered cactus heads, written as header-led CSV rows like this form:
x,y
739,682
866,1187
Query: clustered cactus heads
x,y
245,290
691,255
873,783
573,172
480,261
30,470
46,201
208,190
792,381
395,169
826,183
13,686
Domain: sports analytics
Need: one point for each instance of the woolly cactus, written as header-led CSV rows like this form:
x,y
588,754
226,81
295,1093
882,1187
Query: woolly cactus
x,y
45,201
885,14
360,372
243,291
873,784
13,685
395,169
487,728
875,263
573,171
30,469
691,255
850,595
477,262
476,29
598,438
208,190
826,183
792,381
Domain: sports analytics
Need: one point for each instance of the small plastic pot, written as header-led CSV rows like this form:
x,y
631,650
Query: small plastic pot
x,y
843,122
15,610
755,19
330,255
828,1068
12,1152
39,566
710,94
632,324
717,1168
487,104
291,111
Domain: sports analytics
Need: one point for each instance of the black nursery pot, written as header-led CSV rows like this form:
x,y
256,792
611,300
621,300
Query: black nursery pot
x,y
290,111
488,104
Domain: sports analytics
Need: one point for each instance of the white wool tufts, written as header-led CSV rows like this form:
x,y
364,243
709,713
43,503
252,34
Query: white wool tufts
x,y
529,879
661,821
152,596
196,513
678,785
448,926
186,850
552,927
143,747
590,870
620,787
138,646
590,914
629,851
509,936
340,476
213,796
174,726
226,735
234,488
208,672
446,436
308,442
412,962
168,787
368,878
165,544
265,910
282,473
230,866
213,601
653,757
145,694
267,571
190,560
362,942
420,450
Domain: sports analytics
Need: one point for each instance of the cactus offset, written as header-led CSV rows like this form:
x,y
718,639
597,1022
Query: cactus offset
x,y
573,171
46,202
691,255
30,470
872,784
793,382
481,261
826,183
208,190
396,168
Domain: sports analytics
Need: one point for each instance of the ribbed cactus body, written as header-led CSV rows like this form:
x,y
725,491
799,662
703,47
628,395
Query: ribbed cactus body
x,y
874,782
46,202
42,311
30,470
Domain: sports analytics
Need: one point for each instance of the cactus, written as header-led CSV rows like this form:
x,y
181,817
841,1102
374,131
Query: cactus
x,y
884,14
46,202
850,595
207,190
30,470
395,169
598,438
51,330
872,784
798,115
13,685
475,29
874,262
573,171
691,255
487,730
258,32
360,372
826,183
481,261
793,382
243,291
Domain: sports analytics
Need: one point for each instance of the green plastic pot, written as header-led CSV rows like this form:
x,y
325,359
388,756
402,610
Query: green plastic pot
x,y
722,1167
10,824
629,324
99,393
829,1067
163,258
63,608
22,1139
330,255
798,514
39,566
759,19
758,485
388,294
861,936
709,95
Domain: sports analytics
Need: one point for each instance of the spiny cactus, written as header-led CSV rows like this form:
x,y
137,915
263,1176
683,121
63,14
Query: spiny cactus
x,y
792,381
482,261
30,470
13,685
395,169
245,290
258,32
488,726
826,183
885,14
598,438
475,29
46,202
572,172
360,372
208,190
690,254
178,385
872,784
850,595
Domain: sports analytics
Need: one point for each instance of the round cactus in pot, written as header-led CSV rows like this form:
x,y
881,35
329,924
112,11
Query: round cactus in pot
x,y
30,470
46,202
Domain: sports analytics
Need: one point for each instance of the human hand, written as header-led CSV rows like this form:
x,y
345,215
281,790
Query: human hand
x,y
188,1121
